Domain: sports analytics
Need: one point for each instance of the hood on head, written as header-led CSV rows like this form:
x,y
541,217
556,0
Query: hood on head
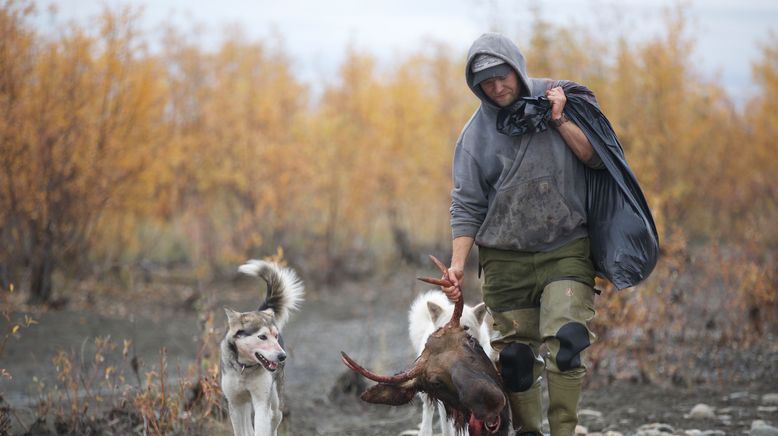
x,y
500,46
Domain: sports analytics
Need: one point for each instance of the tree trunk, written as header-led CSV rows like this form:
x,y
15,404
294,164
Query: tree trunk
x,y
402,240
5,277
42,268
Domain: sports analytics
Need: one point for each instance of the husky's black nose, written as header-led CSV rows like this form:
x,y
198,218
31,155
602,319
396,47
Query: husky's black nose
x,y
281,357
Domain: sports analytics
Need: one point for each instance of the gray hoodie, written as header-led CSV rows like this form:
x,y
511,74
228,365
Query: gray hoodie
x,y
524,193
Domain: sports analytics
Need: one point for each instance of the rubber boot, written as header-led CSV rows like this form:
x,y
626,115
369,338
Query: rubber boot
x,y
564,391
526,411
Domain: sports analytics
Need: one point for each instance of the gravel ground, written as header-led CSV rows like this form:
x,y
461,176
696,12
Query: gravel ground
x,y
367,319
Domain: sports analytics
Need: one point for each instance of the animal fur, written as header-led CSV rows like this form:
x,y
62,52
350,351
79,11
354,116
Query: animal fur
x,y
253,355
429,312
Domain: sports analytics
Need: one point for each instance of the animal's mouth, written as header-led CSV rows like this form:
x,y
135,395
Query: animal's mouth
x,y
477,427
493,425
270,366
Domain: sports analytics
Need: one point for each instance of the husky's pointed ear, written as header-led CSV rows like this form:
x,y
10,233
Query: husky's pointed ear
x,y
480,312
232,316
435,310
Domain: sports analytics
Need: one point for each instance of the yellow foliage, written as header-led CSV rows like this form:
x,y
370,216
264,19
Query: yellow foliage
x,y
113,154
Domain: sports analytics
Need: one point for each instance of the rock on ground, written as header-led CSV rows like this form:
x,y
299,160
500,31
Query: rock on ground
x,y
701,411
762,428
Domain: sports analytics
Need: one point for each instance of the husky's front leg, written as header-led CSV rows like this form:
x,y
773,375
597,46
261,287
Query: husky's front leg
x,y
265,421
275,409
240,415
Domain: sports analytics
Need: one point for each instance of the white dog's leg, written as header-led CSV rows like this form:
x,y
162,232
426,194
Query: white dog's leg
x,y
427,415
240,415
446,425
275,408
263,418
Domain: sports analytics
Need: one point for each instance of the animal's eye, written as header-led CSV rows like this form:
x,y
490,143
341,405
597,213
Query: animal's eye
x,y
263,337
240,333
467,327
435,382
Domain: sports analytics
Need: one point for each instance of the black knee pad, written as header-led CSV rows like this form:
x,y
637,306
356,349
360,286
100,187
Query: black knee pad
x,y
516,366
573,338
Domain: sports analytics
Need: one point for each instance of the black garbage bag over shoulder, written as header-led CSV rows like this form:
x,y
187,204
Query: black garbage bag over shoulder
x,y
624,240
525,115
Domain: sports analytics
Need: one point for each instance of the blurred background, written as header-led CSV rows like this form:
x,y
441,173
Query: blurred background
x,y
148,148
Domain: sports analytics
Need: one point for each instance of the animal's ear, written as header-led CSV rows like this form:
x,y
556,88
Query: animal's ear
x,y
393,395
232,316
479,311
435,310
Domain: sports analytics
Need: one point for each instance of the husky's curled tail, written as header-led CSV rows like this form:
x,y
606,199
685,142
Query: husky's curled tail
x,y
284,288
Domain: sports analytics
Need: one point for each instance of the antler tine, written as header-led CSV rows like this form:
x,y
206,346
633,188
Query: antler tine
x,y
440,266
459,307
439,282
446,282
398,378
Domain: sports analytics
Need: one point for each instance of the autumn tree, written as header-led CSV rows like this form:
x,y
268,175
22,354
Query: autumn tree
x,y
757,189
207,154
81,116
235,168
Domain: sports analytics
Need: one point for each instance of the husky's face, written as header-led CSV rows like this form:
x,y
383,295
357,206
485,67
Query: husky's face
x,y
256,338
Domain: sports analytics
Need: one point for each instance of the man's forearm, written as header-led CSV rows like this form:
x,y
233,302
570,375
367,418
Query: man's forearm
x,y
573,136
460,250
577,141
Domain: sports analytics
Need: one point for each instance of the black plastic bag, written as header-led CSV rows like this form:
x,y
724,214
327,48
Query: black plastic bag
x,y
623,237
624,240
525,115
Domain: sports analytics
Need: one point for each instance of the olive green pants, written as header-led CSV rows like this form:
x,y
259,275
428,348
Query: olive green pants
x,y
541,299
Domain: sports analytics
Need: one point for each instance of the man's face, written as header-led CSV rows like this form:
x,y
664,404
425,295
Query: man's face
x,y
502,90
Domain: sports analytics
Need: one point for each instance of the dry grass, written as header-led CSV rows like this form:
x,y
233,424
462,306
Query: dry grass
x,y
108,390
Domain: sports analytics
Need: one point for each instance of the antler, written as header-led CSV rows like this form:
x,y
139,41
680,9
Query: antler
x,y
446,282
395,379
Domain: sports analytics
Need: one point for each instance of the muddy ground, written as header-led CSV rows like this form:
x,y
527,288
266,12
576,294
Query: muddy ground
x,y
367,319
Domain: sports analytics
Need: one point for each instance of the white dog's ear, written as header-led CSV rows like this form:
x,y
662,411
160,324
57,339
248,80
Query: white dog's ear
x,y
232,316
435,310
479,311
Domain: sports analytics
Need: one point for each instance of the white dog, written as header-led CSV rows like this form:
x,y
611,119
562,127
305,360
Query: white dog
x,y
252,353
429,312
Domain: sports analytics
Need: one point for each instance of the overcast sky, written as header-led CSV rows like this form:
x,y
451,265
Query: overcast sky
x,y
317,31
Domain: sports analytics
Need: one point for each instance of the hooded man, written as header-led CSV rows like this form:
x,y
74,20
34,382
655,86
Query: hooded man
x,y
520,195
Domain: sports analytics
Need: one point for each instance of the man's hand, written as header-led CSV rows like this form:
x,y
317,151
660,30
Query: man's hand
x,y
558,99
454,292
456,271
573,136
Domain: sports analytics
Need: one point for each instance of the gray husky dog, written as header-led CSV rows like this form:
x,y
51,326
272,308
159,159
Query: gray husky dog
x,y
253,355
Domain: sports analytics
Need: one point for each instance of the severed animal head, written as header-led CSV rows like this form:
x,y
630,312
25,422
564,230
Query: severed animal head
x,y
452,368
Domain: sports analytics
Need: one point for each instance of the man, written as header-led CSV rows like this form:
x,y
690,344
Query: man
x,y
522,199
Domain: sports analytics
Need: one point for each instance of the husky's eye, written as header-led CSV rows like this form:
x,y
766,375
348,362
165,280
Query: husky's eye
x,y
467,327
240,333
263,337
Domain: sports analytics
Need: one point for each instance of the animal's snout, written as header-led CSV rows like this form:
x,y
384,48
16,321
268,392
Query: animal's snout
x,y
282,357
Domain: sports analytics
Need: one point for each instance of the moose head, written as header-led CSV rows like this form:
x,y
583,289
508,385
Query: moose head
x,y
454,369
